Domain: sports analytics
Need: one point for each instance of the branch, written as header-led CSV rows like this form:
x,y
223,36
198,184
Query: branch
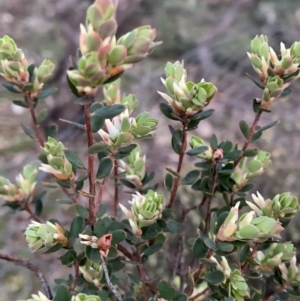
x,y
254,250
32,215
199,294
87,117
116,197
27,264
248,140
181,155
76,275
142,273
33,117
108,281
212,192
99,198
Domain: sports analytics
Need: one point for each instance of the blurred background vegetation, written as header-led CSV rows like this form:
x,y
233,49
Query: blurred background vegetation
x,y
211,36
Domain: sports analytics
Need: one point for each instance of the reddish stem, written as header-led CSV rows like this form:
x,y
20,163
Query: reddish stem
x,y
181,156
33,268
87,116
32,215
248,140
38,134
213,188
116,197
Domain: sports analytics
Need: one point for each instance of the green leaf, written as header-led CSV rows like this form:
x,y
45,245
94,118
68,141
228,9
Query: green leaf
x,y
118,236
199,249
233,155
257,297
127,183
167,111
191,177
246,188
125,151
250,152
42,115
98,148
74,159
244,253
173,172
27,131
46,92
174,227
109,111
113,252
168,181
269,125
166,291
38,207
20,103
203,114
51,131
83,212
10,87
62,294
152,249
68,257
97,123
113,78
54,249
244,128
84,100
176,141
207,241
256,136
225,247
286,92
105,168
76,228
214,142
101,211
257,83
93,254
180,297
80,126
214,277
197,150
102,227
72,86
175,134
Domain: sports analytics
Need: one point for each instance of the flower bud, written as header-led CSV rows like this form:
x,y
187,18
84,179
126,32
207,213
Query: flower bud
x,y
143,127
135,166
139,43
25,184
44,71
185,98
101,17
39,297
84,297
41,237
198,142
58,165
272,90
276,254
92,272
103,243
145,210
283,206
234,282
258,164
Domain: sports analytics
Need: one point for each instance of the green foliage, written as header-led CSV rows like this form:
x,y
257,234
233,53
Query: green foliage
x,y
237,239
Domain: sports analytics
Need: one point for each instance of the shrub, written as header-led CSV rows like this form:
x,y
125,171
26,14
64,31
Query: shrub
x,y
234,244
